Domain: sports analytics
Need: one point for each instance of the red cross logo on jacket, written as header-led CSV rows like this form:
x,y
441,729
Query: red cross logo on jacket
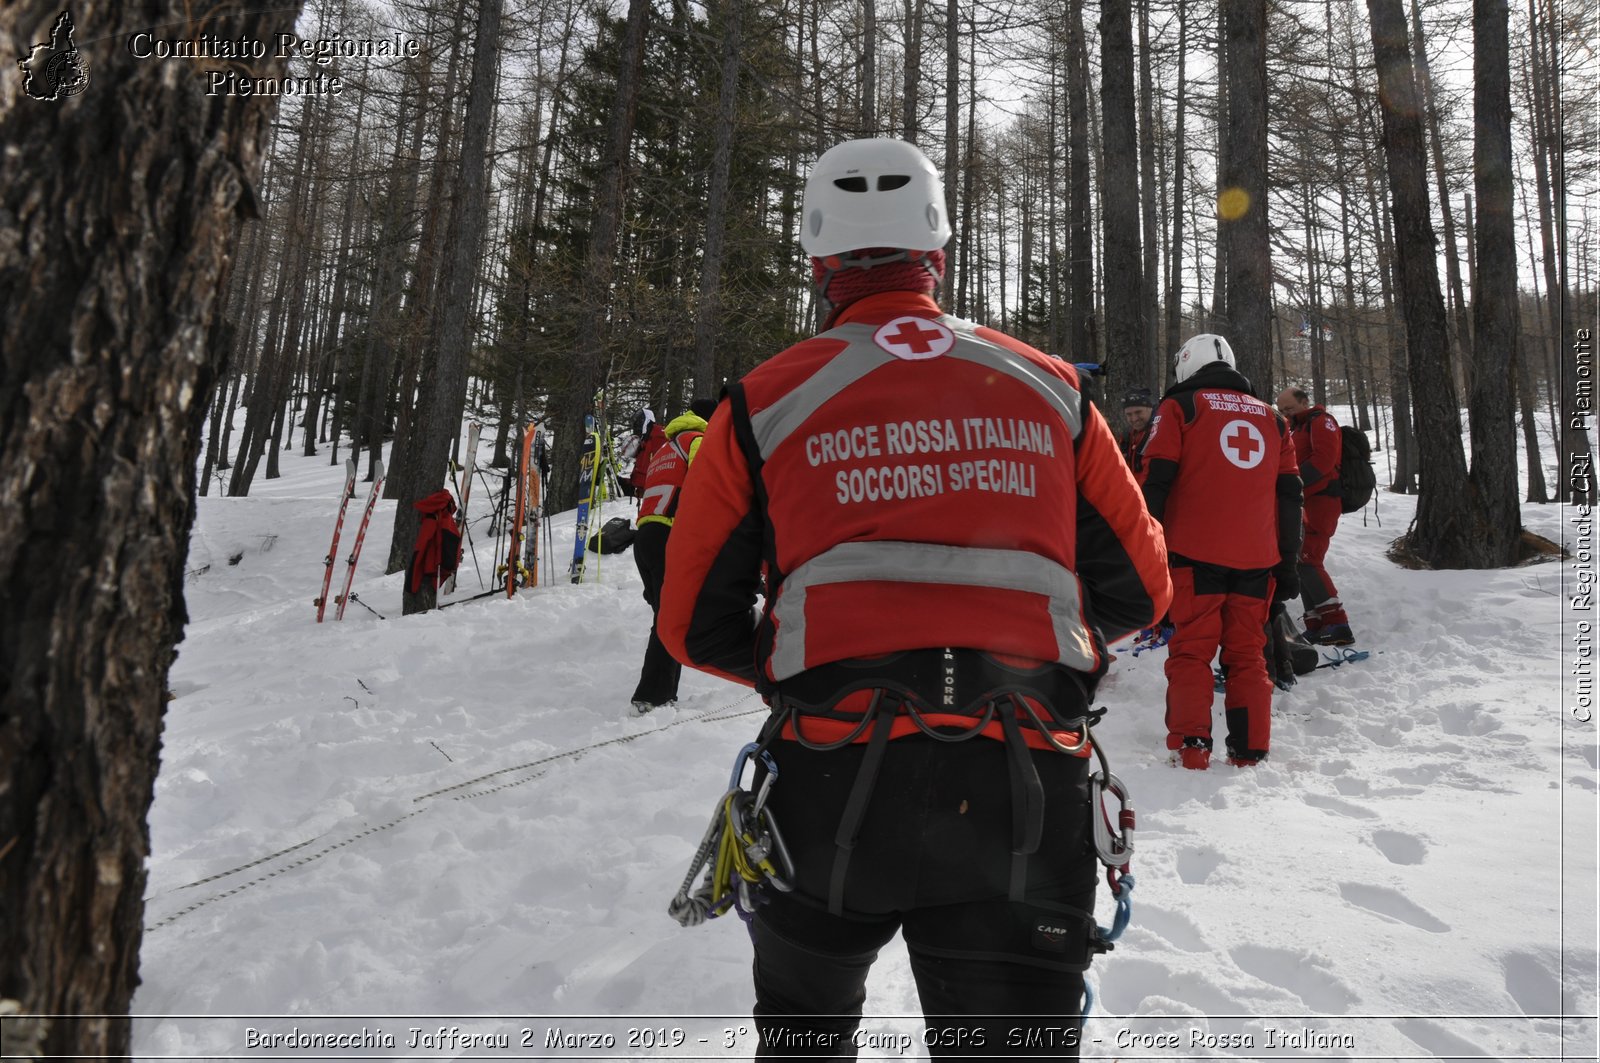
x,y
914,338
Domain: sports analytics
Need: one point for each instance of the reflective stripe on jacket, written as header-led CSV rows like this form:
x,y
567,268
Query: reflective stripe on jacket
x,y
658,501
907,480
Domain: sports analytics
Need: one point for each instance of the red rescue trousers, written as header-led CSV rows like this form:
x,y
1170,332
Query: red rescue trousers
x,y
1216,607
1317,593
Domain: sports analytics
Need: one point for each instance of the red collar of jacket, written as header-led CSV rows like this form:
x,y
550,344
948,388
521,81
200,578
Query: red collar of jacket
x,y
880,308
1304,417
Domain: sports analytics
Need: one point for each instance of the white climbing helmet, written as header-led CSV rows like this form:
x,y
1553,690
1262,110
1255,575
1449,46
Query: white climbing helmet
x,y
873,193
1201,350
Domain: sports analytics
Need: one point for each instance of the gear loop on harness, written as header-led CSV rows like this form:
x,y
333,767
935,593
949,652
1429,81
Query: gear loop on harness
x,y
741,851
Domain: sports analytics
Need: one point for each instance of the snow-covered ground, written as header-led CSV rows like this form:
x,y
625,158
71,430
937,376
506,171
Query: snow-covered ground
x,y
375,827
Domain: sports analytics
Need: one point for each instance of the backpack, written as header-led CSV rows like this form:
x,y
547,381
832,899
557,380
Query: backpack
x,y
615,537
1357,480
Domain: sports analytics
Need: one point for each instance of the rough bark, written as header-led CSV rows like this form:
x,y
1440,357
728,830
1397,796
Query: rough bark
x,y
1244,198
593,330
1079,338
707,310
1444,530
110,286
1494,291
1175,251
1124,269
438,422
1458,322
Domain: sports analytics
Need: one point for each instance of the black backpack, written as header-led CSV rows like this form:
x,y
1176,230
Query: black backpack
x,y
615,537
1357,480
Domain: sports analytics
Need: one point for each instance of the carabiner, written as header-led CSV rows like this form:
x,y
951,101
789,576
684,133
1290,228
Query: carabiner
x,y
1113,845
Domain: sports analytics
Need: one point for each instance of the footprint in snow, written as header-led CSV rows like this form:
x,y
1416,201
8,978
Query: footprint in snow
x,y
1298,973
1441,1042
1400,848
1129,986
1338,806
1196,865
1175,928
1532,983
1467,720
1350,787
1392,904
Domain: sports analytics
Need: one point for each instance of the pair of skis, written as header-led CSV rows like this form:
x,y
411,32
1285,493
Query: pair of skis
x,y
464,493
522,571
361,536
594,469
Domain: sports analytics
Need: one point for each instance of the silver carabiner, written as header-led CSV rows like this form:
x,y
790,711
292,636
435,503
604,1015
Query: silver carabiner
x,y
1113,845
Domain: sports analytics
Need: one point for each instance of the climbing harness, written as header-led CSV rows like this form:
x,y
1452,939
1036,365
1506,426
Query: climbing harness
x,y
742,850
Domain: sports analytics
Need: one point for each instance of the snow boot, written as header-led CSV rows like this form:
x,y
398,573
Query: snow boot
x,y
1194,754
1331,635
1245,758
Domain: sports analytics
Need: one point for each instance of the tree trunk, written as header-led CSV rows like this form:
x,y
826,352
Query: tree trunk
x,y
1243,205
707,318
1458,324
1175,251
1494,291
439,407
869,67
1080,250
913,68
1149,372
952,140
593,328
1124,272
1444,530
112,329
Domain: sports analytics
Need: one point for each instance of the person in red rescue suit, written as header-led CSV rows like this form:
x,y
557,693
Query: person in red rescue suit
x,y
1317,444
949,539
1136,410
659,488
1220,475
649,434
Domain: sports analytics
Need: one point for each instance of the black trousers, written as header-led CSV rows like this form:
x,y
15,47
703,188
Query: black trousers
x,y
658,677
932,861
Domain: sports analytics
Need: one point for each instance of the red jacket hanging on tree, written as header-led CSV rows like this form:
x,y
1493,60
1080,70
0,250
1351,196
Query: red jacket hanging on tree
x,y
438,545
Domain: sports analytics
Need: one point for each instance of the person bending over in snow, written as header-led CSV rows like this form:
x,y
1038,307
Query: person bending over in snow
x,y
1221,477
949,539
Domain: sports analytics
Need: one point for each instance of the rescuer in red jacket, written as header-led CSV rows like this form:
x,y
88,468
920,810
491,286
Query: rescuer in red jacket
x,y
1220,475
949,538
1317,444
1137,409
659,488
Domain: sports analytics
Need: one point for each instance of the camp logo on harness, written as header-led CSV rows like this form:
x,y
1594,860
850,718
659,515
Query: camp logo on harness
x,y
1243,444
915,339
1050,938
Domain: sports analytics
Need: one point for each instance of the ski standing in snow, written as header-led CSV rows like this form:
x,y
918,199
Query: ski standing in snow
x,y
361,536
345,496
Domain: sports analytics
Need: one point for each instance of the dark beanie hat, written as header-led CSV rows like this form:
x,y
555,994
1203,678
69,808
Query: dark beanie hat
x,y
703,408
1137,397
